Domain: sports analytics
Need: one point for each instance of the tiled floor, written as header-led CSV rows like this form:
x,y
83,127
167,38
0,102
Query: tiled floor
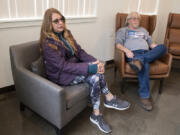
x,y
163,120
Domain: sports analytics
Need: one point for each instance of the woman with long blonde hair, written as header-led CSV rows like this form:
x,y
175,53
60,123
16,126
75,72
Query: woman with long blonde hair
x,y
67,63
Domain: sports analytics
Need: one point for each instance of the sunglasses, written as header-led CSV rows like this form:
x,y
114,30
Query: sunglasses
x,y
62,19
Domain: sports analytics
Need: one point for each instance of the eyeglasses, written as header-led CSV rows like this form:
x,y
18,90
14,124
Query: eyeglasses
x,y
135,18
62,19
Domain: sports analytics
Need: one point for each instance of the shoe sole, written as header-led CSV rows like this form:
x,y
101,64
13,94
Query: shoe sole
x,y
112,107
149,110
94,122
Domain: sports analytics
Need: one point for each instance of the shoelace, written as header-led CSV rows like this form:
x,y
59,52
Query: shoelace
x,y
115,102
100,119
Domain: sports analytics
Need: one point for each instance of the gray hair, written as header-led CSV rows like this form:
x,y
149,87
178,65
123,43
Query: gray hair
x,y
130,16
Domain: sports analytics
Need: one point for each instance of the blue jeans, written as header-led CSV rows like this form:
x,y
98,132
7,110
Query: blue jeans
x,y
146,57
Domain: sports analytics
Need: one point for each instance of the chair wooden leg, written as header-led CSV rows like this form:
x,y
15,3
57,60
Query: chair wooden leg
x,y
115,71
21,106
58,131
122,85
161,85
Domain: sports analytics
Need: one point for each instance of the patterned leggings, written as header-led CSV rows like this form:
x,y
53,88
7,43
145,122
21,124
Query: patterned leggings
x,y
97,84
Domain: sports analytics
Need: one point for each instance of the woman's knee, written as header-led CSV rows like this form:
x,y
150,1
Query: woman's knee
x,y
95,78
92,79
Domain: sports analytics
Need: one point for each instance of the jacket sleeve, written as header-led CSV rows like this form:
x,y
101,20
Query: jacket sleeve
x,y
82,55
57,61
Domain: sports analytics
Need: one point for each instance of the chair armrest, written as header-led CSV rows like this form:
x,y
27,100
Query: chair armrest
x,y
167,43
119,59
167,59
41,95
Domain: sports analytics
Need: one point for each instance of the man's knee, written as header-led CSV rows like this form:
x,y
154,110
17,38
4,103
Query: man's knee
x,y
162,47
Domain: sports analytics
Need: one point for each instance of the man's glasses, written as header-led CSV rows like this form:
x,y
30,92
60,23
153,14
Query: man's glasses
x,y
135,18
62,19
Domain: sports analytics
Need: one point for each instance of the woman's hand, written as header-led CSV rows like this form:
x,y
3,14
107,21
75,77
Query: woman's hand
x,y
101,68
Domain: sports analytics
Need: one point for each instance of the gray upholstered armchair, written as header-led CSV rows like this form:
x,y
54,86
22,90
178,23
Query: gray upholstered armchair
x,y
56,104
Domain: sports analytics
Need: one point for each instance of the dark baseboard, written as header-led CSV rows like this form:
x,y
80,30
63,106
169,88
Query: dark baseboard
x,y
109,62
7,89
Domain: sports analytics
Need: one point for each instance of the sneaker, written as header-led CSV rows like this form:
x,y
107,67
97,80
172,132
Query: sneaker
x,y
99,121
146,104
136,65
117,104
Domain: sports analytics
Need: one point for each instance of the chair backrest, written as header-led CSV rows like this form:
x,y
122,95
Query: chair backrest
x,y
147,21
24,54
22,57
173,28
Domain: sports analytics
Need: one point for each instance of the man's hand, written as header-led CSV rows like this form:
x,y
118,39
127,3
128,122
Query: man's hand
x,y
129,54
153,45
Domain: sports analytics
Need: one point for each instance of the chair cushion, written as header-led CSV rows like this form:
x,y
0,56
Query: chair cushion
x,y
38,67
75,94
156,67
174,49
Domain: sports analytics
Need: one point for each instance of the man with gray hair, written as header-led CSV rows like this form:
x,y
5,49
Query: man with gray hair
x,y
139,49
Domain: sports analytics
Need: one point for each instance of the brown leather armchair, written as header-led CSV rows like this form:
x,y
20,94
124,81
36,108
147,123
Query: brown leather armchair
x,y
159,69
172,38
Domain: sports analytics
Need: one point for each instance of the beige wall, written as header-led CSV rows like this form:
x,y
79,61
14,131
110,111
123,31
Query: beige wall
x,y
165,7
175,6
162,16
96,37
10,37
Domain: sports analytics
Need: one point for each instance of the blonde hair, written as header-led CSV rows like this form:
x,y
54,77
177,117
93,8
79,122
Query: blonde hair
x,y
47,30
130,15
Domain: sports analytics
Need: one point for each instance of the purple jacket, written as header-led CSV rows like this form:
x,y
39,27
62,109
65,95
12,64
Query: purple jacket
x,y
61,67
